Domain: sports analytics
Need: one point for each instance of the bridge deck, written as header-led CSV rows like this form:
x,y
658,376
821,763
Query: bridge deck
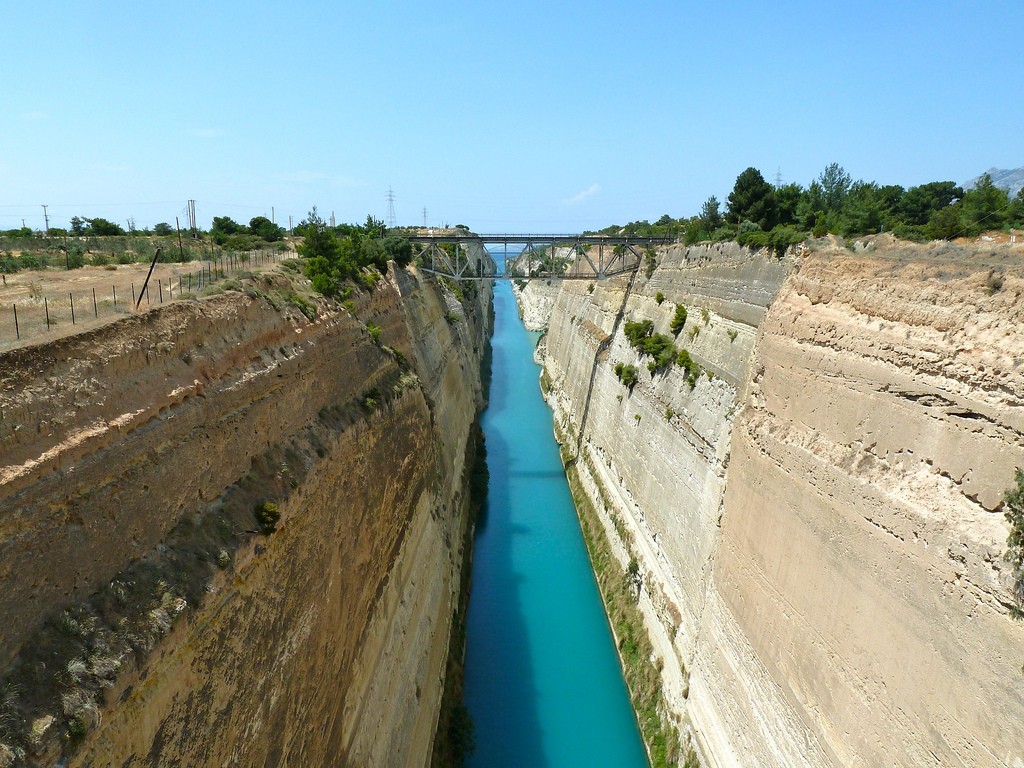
x,y
561,256
524,239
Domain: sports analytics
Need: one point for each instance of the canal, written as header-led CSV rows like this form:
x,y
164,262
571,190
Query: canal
x,y
543,683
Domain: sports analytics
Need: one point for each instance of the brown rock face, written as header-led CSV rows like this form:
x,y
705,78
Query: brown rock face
x,y
818,520
145,448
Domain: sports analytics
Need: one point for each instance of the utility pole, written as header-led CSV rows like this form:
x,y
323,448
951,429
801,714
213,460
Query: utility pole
x,y
391,207
424,217
46,218
332,220
273,220
192,217
290,230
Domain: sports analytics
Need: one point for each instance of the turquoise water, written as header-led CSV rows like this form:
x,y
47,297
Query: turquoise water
x,y
543,682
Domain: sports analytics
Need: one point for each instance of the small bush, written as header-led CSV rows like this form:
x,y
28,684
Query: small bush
x,y
678,319
732,333
374,331
628,376
659,297
994,282
637,332
267,516
754,240
705,315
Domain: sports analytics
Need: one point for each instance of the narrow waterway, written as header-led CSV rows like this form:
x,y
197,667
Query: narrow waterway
x,y
543,683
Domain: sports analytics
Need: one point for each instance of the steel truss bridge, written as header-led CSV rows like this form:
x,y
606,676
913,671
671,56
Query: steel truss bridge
x,y
569,257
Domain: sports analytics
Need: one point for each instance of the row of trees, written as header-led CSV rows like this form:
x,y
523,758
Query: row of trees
x,y
223,228
758,213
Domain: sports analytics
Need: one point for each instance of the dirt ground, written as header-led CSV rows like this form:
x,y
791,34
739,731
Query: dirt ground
x,y
100,295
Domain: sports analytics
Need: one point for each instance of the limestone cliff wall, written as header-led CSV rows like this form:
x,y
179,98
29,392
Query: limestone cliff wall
x,y
819,519
133,460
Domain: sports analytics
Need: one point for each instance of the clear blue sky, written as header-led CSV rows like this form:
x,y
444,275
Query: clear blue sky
x,y
536,115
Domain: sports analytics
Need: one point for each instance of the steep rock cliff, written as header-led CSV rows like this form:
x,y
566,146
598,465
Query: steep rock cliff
x,y
817,520
134,458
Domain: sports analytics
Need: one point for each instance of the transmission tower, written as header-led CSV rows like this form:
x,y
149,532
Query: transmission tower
x,y
778,178
424,217
391,208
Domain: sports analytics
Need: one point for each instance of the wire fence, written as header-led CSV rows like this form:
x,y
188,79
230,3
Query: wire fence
x,y
35,312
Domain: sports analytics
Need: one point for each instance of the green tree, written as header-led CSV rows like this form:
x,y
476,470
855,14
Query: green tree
x,y
811,207
225,225
787,198
324,255
918,204
103,228
866,207
1015,213
710,217
835,186
163,228
265,229
752,198
945,223
984,207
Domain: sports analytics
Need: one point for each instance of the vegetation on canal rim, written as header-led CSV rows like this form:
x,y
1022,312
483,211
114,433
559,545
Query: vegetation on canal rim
x,y
642,674
761,215
335,255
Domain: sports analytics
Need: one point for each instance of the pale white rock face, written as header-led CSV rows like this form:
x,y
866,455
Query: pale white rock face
x,y
536,301
819,522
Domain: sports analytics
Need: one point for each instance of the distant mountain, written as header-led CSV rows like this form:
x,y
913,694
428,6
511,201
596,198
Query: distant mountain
x,y
1011,181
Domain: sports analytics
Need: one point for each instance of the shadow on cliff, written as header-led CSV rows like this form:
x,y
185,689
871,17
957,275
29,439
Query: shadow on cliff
x,y
499,691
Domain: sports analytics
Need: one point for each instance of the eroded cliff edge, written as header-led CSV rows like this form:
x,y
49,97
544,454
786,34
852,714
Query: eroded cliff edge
x,y
816,518
141,596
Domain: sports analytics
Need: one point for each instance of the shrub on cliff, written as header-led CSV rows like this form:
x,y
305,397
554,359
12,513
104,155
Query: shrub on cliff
x,y
637,332
267,516
627,375
678,319
1014,512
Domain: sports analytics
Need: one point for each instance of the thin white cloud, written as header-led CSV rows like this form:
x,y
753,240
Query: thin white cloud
x,y
208,133
34,115
587,193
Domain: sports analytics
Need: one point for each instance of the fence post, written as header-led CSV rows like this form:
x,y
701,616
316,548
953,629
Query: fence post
x,y
115,295
17,330
133,296
46,309
95,307
160,287
72,297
